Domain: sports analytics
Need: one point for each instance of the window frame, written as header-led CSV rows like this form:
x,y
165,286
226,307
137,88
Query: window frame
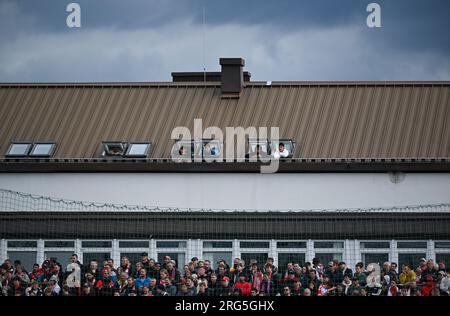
x,y
107,150
144,155
12,143
50,152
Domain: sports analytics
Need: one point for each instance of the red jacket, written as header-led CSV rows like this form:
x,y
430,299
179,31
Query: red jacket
x,y
246,288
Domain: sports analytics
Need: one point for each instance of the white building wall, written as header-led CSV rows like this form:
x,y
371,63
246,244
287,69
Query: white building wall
x,y
238,191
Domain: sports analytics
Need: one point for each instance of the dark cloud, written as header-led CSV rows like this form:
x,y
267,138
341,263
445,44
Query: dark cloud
x,y
284,39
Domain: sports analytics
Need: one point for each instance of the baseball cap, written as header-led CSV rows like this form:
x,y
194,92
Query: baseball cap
x,y
423,259
225,278
144,254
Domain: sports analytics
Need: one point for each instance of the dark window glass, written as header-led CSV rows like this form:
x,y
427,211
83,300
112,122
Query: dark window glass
x,y
170,244
96,244
26,258
133,244
328,244
59,244
375,245
379,258
254,244
443,257
217,244
325,258
285,258
134,257
22,243
261,258
63,257
413,259
411,244
442,245
179,257
291,244
98,256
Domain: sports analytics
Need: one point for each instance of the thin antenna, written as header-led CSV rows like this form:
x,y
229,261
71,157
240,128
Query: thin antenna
x,y
204,44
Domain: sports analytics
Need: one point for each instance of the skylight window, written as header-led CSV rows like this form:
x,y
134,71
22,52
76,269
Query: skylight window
x,y
43,149
114,149
138,150
18,150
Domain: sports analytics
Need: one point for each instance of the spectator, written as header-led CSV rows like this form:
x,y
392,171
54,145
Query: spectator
x,y
282,152
407,276
360,275
243,285
143,280
225,289
430,270
286,291
445,284
393,289
33,289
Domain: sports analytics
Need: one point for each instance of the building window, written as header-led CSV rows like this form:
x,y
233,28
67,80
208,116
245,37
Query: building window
x,y
411,244
260,257
22,243
445,257
378,258
287,144
133,244
291,244
413,259
138,150
97,256
442,245
18,149
133,257
285,258
217,244
325,257
43,149
178,257
26,258
114,148
63,257
328,244
59,244
170,244
375,245
254,244
215,257
96,244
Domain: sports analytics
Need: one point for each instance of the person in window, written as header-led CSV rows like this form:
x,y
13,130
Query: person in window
x,y
282,152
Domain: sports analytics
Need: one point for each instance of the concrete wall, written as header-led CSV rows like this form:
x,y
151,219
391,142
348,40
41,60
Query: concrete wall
x,y
241,191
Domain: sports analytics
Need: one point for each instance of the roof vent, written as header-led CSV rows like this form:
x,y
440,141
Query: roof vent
x,y
232,77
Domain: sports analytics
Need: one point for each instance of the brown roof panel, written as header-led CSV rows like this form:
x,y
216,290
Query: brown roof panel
x,y
327,119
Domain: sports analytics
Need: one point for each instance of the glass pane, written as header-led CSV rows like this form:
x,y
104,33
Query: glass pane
x,y
134,257
413,259
285,258
63,257
291,244
217,244
328,244
133,244
378,258
211,149
97,244
180,258
138,149
98,256
442,245
22,244
42,149
18,150
325,258
275,146
26,258
59,244
214,257
443,257
254,244
171,244
261,258
375,245
411,244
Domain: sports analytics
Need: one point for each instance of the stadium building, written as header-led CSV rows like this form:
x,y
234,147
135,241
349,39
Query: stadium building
x,y
88,168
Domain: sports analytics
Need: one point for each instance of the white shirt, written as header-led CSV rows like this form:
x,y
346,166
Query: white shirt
x,y
283,154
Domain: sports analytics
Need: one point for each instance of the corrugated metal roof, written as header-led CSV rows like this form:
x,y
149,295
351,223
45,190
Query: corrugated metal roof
x,y
327,119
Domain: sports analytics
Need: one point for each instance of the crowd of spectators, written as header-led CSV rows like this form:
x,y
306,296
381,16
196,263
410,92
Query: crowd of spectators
x,y
197,278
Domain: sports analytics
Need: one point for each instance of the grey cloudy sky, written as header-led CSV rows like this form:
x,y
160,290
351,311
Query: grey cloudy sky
x,y
145,40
